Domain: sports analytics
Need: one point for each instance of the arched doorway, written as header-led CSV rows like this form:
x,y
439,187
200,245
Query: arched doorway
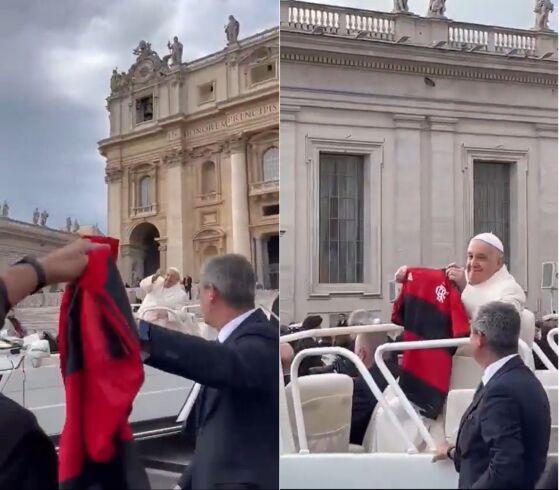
x,y
146,250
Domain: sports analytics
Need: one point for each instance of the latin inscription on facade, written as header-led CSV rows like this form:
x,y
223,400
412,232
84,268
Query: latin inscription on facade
x,y
233,119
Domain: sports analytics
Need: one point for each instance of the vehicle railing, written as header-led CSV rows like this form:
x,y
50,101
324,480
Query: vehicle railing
x,y
377,393
337,331
543,357
268,310
525,353
550,339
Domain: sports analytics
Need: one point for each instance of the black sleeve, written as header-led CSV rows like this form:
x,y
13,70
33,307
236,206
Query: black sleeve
x,y
252,364
4,303
32,465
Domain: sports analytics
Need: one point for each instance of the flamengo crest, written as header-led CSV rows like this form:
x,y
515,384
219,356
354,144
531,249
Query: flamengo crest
x,y
441,293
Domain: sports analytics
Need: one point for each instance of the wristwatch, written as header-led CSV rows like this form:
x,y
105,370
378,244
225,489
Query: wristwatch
x,y
39,271
449,455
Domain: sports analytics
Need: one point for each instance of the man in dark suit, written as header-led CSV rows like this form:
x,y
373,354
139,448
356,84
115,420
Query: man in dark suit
x,y
236,411
504,434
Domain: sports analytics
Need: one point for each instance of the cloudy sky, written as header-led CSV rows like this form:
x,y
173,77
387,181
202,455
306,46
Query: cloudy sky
x,y
58,58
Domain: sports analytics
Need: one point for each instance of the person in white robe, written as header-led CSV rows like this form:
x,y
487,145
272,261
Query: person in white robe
x,y
485,277
166,291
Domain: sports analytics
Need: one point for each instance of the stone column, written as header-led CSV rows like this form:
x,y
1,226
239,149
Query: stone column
x,y
443,207
162,247
407,226
113,178
259,270
126,258
174,211
545,227
239,204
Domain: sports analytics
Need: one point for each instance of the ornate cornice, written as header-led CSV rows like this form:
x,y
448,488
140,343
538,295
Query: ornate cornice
x,y
237,143
113,174
204,151
418,68
173,157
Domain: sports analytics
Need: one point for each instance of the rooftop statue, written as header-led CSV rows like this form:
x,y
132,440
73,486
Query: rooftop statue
x,y
36,216
543,9
176,55
232,30
143,50
76,226
69,224
400,6
436,9
118,81
44,217
5,209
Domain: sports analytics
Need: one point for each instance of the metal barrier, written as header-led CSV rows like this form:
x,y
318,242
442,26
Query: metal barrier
x,y
336,331
543,357
550,339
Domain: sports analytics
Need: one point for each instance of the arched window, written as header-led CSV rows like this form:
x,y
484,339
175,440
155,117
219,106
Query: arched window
x,y
208,178
210,251
144,192
270,164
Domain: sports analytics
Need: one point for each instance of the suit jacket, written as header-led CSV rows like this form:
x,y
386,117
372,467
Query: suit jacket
x,y
504,434
236,412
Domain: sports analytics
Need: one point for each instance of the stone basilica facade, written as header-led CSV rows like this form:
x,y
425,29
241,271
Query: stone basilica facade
x,y
192,157
403,135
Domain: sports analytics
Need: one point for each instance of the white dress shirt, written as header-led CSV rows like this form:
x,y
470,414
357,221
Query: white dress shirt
x,y
493,368
230,326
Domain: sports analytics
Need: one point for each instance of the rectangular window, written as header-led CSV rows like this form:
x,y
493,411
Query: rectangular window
x,y
341,218
206,92
492,201
262,72
272,210
144,109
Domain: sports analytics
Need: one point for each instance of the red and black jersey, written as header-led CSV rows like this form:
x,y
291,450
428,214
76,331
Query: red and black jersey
x,y
429,307
102,372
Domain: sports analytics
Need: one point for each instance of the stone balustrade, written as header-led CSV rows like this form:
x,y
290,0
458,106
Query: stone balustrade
x,y
144,210
258,188
416,30
339,20
490,39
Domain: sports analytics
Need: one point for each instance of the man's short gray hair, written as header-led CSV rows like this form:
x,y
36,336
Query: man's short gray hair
x,y
233,276
500,323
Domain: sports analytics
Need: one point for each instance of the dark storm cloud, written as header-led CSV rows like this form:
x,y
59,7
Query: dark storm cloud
x,y
52,91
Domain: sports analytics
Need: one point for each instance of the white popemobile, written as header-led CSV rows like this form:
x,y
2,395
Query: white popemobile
x,y
315,415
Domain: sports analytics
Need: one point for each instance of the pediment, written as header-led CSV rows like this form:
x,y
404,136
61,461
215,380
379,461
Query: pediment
x,y
209,234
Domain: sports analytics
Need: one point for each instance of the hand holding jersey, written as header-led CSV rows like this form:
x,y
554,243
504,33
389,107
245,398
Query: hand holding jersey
x,y
485,277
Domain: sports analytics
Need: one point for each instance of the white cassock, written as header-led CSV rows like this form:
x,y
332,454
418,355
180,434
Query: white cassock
x,y
500,287
156,295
